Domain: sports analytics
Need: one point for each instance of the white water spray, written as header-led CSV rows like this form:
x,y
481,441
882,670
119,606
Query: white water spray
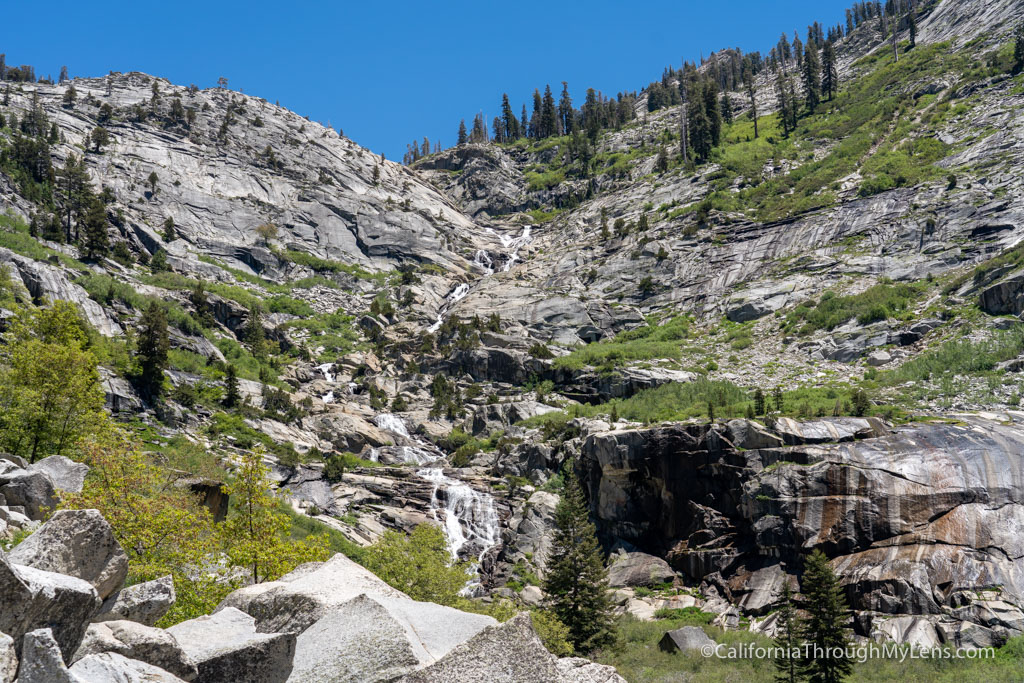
x,y
469,515
457,295
391,423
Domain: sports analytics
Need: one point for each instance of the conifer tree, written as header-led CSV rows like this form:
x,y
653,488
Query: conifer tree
x,y
576,581
812,78
787,640
1018,49
699,129
824,628
912,26
829,70
748,79
153,346
712,112
463,136
95,222
565,110
784,103
548,116
231,394
726,108
508,119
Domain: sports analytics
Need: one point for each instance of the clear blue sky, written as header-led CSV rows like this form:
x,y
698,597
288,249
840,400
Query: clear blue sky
x,y
387,72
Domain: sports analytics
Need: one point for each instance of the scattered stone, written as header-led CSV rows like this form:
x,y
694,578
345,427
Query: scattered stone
x,y
41,661
226,647
135,641
878,358
110,666
145,602
77,543
8,659
639,569
65,473
31,490
685,639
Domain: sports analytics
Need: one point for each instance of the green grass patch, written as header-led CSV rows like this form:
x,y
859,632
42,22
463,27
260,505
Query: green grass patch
x,y
879,302
644,343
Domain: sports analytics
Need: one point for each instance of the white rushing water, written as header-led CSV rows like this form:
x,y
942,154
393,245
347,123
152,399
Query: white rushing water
x,y
468,515
457,295
513,245
328,397
483,261
391,423
325,369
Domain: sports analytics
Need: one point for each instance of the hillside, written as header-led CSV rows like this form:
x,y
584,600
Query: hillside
x,y
809,339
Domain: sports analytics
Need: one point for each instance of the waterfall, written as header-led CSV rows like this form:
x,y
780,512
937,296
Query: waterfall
x,y
513,245
328,397
325,369
483,261
469,515
391,423
457,295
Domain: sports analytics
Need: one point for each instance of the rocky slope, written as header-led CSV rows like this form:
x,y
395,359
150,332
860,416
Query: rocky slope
x,y
467,292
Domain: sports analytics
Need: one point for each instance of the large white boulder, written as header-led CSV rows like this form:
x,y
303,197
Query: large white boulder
x,y
226,647
77,543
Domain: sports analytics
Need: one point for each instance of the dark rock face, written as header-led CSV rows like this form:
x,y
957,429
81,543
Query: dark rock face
x,y
1004,297
917,520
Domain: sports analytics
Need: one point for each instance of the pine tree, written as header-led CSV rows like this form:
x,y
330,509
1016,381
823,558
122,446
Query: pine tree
x,y
726,108
787,640
829,70
462,133
812,78
759,401
824,628
253,331
508,119
231,394
565,110
712,112
1018,49
912,25
153,346
95,223
576,581
548,115
100,138
661,163
784,103
748,79
699,129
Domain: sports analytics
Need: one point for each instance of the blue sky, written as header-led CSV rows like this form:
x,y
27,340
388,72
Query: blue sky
x,y
389,72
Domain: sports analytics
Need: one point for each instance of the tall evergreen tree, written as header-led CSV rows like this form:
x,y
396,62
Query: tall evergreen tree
x,y
912,25
712,112
748,80
153,346
726,108
829,70
524,123
824,628
1018,49
548,115
508,119
812,78
96,240
699,129
565,110
787,640
576,581
463,136
231,393
784,103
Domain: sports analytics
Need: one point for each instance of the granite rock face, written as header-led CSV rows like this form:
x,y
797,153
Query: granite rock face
x,y
918,520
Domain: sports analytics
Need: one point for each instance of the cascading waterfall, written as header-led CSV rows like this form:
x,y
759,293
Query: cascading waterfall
x,y
391,423
325,369
513,246
483,261
469,516
457,295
